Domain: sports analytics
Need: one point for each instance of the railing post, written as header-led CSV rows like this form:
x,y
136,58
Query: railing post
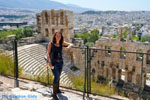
x,y
140,89
85,73
16,64
89,72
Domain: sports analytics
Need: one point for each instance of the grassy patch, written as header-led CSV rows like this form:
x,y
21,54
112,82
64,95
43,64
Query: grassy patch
x,y
78,82
7,65
102,89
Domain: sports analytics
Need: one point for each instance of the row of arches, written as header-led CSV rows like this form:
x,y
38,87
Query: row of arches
x,y
53,16
118,74
123,54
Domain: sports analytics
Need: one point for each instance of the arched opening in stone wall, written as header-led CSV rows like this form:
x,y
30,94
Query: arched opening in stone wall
x,y
129,78
138,78
114,73
126,67
117,66
53,31
123,34
46,17
133,69
111,64
107,73
148,57
46,32
39,23
62,31
66,21
93,74
103,64
138,55
98,62
119,74
62,18
53,16
57,20
122,53
107,53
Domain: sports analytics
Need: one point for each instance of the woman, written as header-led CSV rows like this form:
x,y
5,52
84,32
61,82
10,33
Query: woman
x,y
55,60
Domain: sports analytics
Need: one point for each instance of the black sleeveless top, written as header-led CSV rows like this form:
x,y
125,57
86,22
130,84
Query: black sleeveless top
x,y
56,52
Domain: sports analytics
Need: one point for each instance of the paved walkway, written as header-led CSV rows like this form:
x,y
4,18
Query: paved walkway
x,y
29,90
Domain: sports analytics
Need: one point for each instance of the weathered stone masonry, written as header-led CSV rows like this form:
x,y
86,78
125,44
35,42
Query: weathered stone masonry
x,y
50,21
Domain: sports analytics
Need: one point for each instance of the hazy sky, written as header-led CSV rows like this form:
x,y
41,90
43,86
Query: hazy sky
x,y
128,5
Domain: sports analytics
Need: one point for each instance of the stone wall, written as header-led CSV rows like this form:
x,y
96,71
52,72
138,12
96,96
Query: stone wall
x,y
114,65
50,21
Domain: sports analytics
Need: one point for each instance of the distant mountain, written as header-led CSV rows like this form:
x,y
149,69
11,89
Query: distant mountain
x,y
40,5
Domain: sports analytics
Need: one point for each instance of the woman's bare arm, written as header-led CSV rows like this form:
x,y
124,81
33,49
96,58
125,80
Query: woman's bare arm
x,y
69,45
48,52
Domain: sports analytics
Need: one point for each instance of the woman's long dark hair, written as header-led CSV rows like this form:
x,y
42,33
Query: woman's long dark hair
x,y
61,40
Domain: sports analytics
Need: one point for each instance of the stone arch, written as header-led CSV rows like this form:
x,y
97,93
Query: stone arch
x,y
66,21
57,21
93,74
107,73
102,64
46,17
53,31
129,78
139,56
126,67
98,62
53,16
108,53
122,53
62,31
123,34
62,18
111,64
148,57
46,32
114,73
119,74
117,66
133,69
137,78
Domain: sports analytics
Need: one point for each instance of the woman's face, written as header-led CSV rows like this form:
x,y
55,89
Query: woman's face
x,y
58,36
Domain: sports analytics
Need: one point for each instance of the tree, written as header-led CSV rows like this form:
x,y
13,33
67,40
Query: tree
x,y
88,37
27,31
19,33
94,36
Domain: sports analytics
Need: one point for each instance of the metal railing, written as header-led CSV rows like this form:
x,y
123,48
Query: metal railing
x,y
87,68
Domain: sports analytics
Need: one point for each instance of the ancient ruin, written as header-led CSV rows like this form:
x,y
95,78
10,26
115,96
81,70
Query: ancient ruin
x,y
51,21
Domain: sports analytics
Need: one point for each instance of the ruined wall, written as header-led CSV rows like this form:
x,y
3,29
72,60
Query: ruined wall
x,y
50,21
114,65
